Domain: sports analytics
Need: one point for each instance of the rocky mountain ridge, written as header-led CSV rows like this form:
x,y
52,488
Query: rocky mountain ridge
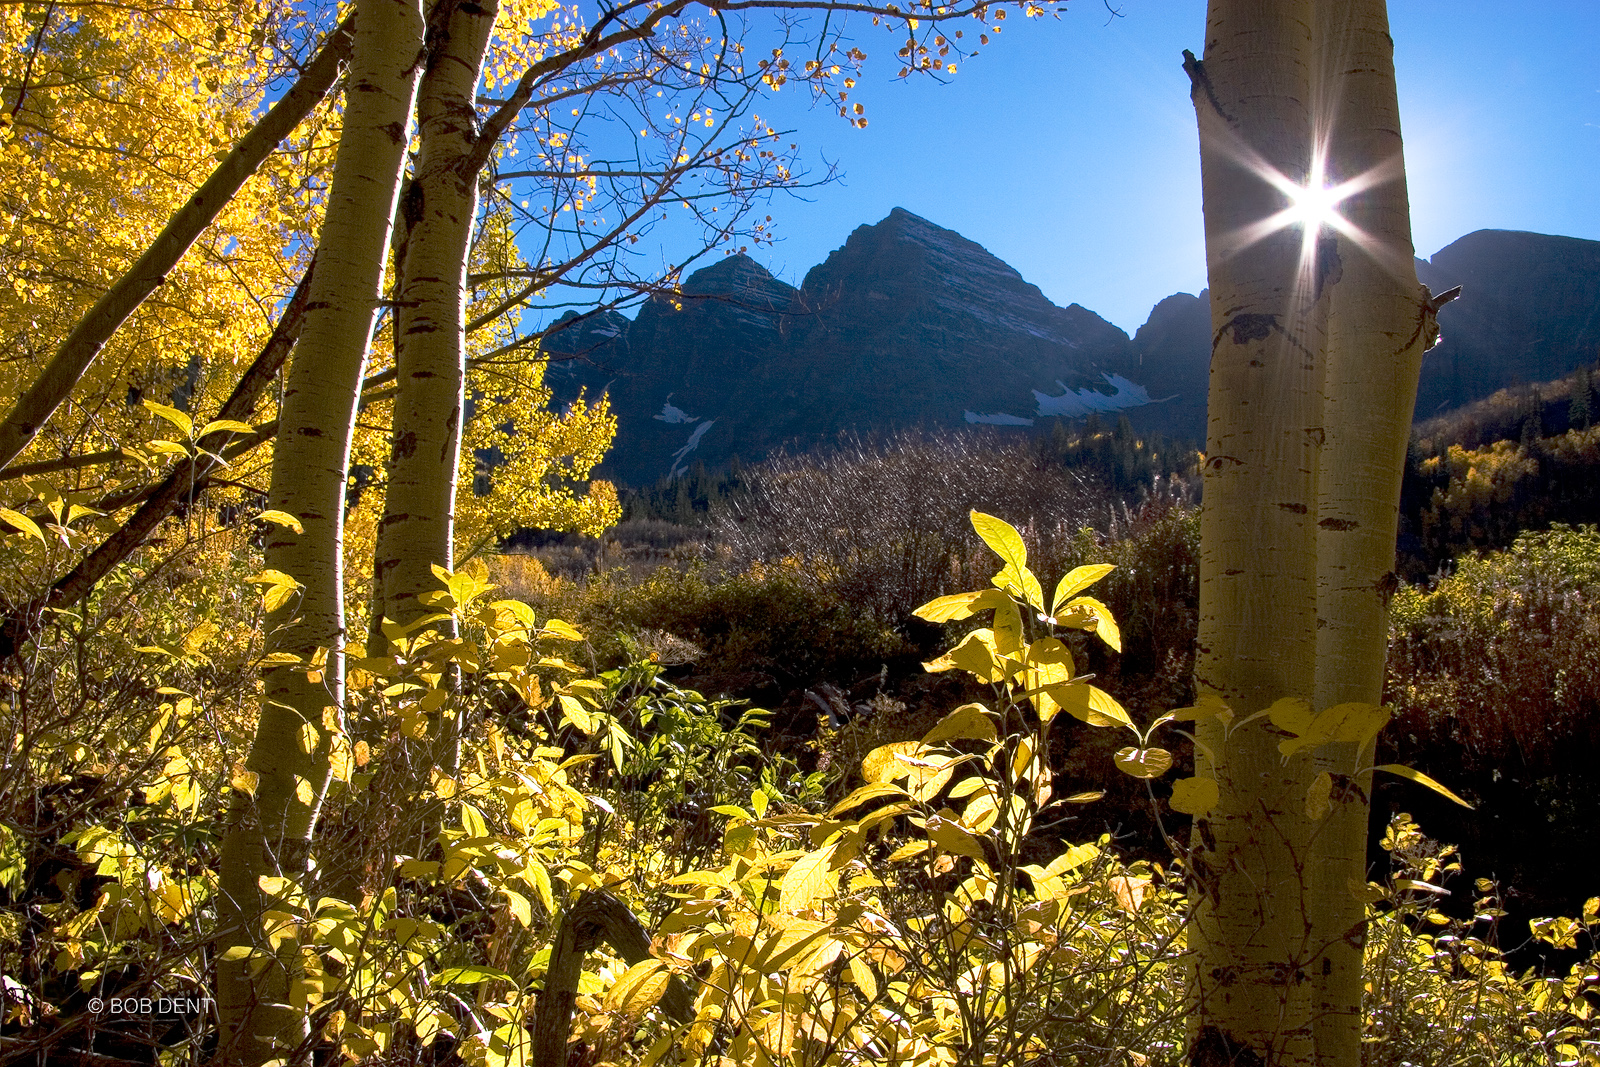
x,y
910,324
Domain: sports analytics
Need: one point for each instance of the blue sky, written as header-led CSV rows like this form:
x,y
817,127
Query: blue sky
x,y
1067,148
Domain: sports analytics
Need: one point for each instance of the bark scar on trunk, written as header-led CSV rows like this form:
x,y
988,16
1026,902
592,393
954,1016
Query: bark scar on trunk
x,y
1200,82
1214,1048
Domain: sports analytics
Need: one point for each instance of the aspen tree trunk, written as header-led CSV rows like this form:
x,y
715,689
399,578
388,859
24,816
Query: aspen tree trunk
x,y
437,215
438,210
262,1011
1379,323
1250,999
29,414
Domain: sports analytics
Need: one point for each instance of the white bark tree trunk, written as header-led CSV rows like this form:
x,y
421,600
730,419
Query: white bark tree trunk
x,y
270,833
1378,330
1250,994
437,214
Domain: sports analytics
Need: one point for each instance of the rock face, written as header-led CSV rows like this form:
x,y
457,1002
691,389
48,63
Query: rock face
x,y
1529,311
910,324
907,324
1173,356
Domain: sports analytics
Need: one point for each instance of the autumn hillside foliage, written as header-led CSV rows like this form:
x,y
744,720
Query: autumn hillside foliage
x,y
923,901
1518,460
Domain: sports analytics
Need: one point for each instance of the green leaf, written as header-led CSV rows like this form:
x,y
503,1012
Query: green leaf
x,y
469,976
172,415
1421,779
961,605
1077,580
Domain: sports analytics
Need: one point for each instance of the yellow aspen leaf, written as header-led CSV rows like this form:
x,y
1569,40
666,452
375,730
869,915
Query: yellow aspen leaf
x,y
540,877
341,762
518,906
884,764
1007,630
1292,715
1194,796
563,630
219,425
1087,613
968,722
282,518
638,989
870,791
1143,762
861,976
961,605
575,713
809,878
1319,797
1076,581
950,837
183,422
472,822
1129,891
279,588
1094,706
245,781
22,523
1421,779
1207,707
1003,538
303,791
976,654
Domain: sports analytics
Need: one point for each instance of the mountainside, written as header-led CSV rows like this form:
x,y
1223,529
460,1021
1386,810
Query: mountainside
x,y
1529,312
912,324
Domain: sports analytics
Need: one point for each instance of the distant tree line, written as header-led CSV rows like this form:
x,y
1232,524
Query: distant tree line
x,y
1519,460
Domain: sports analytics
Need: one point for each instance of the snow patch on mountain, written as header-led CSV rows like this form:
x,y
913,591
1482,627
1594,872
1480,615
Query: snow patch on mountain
x,y
677,467
1074,403
998,418
671,413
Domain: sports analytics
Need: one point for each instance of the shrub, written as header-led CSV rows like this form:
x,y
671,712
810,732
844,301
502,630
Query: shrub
x,y
881,526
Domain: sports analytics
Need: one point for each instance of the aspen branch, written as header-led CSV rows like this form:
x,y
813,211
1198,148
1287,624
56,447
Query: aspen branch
x,y
34,408
185,480
597,916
